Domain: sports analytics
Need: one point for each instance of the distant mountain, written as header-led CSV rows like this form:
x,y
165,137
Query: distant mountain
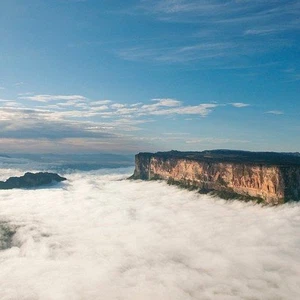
x,y
82,162
30,180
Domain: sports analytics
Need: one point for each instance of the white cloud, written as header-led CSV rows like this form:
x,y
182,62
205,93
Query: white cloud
x,y
99,102
167,102
275,112
136,104
159,110
25,94
8,103
34,123
75,117
117,105
100,108
47,98
201,109
239,104
100,236
71,103
5,100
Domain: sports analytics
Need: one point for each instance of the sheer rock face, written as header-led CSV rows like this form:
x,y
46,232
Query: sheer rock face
x,y
270,182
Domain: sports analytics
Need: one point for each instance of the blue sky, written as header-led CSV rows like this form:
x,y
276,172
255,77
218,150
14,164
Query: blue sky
x,y
127,76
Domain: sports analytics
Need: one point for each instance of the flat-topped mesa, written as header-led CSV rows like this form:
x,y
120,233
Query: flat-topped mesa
x,y
30,180
268,176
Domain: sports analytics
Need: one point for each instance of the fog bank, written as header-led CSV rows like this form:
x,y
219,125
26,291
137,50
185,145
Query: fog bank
x,y
99,236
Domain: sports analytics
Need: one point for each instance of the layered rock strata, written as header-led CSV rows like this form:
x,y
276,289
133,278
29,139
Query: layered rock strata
x,y
271,177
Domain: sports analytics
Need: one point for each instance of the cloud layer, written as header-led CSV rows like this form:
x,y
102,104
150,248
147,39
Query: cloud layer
x,y
77,120
101,237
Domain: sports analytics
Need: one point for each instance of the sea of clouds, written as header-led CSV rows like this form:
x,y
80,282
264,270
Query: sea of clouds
x,y
100,236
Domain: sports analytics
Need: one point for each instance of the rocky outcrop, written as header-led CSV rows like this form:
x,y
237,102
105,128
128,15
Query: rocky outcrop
x,y
270,177
30,180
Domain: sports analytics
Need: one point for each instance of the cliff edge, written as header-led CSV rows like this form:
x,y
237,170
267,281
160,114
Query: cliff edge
x,y
266,176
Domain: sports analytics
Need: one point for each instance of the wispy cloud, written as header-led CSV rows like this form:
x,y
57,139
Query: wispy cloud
x,y
275,112
296,77
239,104
9,103
201,110
34,123
75,116
167,102
223,10
20,83
99,102
230,33
223,53
260,31
179,54
47,98
162,107
292,74
25,94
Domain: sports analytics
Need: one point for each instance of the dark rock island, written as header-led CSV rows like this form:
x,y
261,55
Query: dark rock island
x,y
30,180
268,177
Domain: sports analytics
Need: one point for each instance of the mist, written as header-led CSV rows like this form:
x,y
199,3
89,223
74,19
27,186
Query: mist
x,y
100,236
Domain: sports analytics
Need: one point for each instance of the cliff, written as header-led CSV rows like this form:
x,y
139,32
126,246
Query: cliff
x,y
266,176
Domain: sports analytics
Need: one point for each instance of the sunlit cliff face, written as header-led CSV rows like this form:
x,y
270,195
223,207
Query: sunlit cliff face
x,y
273,184
260,181
100,236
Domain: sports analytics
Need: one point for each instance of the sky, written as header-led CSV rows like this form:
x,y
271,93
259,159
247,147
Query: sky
x,y
86,76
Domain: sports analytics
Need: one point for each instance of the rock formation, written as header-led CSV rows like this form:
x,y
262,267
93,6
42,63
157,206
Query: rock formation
x,y
30,180
266,176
